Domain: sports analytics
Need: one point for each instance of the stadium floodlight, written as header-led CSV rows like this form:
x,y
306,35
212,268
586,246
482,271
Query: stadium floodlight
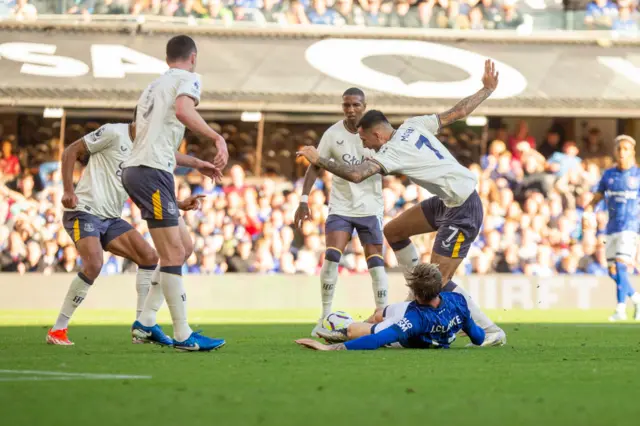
x,y
251,117
476,121
53,112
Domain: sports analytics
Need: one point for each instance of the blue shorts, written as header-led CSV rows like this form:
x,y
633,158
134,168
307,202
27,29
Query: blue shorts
x,y
80,225
153,191
369,228
456,227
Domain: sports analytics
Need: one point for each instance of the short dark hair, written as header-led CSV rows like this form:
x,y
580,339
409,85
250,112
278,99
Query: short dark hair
x,y
425,281
372,118
353,91
180,48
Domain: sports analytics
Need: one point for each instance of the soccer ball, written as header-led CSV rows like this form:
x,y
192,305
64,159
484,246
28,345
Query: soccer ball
x,y
338,320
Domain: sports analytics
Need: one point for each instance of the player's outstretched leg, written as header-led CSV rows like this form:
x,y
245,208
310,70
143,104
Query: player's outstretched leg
x,y
90,251
618,271
168,241
131,245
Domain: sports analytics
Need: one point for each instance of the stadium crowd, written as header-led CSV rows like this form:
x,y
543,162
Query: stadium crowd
x,y
459,14
533,192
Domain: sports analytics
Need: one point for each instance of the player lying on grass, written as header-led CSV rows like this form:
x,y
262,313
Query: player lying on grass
x,y
455,213
430,321
92,219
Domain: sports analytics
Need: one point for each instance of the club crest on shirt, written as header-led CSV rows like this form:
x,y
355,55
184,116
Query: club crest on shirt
x,y
88,227
632,182
171,208
99,132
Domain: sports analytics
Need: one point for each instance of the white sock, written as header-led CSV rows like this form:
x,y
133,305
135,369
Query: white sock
x,y
635,298
76,294
407,257
328,279
143,283
477,315
176,298
621,308
380,283
153,302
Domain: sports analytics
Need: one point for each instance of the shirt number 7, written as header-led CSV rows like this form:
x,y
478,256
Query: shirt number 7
x,y
424,141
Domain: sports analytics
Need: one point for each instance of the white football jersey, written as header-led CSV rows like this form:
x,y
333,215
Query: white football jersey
x,y
100,191
415,152
158,131
348,198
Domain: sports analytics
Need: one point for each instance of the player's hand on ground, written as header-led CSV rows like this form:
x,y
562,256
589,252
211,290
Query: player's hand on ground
x,y
191,203
310,153
69,200
222,156
210,170
313,344
302,214
490,77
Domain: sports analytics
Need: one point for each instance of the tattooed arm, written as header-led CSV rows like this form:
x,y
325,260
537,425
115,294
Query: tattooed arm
x,y
466,106
355,174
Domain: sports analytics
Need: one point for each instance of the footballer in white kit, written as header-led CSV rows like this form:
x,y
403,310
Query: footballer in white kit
x,y
165,108
92,219
455,213
352,206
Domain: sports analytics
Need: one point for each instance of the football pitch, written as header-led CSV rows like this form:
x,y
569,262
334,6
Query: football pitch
x,y
559,368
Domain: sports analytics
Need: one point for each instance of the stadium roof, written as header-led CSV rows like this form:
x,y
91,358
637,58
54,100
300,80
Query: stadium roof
x,y
107,67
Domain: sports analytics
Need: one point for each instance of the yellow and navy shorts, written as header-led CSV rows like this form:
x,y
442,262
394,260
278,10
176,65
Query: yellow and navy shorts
x,y
80,225
153,191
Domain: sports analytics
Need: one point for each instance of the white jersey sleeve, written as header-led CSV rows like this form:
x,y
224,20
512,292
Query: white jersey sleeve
x,y
101,139
389,158
324,147
190,86
430,122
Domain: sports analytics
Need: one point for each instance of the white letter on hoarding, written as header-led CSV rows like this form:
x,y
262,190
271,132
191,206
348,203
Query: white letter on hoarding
x,y
342,60
39,60
516,291
621,66
115,61
584,286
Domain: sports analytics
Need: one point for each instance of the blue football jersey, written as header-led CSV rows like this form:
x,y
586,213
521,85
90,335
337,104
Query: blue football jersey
x,y
425,327
621,189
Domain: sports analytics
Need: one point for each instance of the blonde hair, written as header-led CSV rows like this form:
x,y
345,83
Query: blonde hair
x,y
425,281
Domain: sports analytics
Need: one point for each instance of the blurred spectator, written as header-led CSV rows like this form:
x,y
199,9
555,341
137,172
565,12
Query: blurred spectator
x,y
403,15
521,134
625,22
491,14
511,19
374,17
296,13
563,162
9,163
24,11
551,144
320,14
594,151
600,14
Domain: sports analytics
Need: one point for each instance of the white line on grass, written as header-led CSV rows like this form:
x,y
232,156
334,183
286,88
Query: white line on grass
x,y
35,375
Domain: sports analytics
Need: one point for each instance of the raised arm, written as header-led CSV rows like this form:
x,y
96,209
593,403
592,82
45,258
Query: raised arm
x,y
187,114
466,106
302,212
70,155
352,173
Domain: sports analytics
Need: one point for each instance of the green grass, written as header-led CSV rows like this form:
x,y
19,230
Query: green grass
x,y
586,373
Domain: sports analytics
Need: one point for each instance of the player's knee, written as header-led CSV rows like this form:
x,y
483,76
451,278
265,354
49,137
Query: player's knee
x,y
378,315
149,257
174,255
390,234
92,266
